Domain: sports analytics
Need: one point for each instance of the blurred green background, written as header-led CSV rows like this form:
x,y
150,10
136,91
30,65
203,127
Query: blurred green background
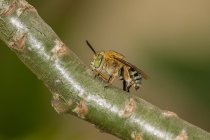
x,y
169,40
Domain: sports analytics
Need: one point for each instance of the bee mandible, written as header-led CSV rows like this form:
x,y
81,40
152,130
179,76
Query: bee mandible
x,y
110,64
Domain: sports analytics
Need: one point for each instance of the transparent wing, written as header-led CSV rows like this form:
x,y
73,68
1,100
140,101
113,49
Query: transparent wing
x,y
144,75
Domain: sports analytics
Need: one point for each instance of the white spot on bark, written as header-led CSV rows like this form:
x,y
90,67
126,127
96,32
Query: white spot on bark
x,y
18,24
57,81
19,11
169,114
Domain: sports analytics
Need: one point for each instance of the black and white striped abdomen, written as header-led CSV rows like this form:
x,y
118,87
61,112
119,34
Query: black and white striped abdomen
x,y
136,78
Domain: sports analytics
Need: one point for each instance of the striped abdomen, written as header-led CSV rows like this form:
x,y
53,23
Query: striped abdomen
x,y
136,78
130,78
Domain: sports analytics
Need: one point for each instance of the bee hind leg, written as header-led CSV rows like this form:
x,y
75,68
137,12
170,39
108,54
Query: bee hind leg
x,y
128,88
124,85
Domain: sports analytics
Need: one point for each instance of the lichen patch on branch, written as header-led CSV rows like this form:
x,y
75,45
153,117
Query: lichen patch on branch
x,y
23,6
18,43
9,9
136,136
182,136
59,50
129,108
59,104
20,5
81,109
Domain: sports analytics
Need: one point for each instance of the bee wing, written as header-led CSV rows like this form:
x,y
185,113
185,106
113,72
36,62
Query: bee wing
x,y
144,75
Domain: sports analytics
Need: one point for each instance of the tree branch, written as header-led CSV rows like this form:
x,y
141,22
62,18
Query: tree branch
x,y
74,89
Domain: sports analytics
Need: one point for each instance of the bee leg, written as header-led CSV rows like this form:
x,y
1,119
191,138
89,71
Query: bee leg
x,y
110,81
128,88
124,85
127,79
99,74
96,75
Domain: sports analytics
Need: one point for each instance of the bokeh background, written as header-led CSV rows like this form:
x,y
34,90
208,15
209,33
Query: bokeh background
x,y
169,40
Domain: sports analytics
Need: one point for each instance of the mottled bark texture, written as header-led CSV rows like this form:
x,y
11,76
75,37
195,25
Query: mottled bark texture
x,y
74,88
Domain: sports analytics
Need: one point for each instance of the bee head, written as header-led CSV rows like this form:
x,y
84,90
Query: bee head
x,y
97,61
97,58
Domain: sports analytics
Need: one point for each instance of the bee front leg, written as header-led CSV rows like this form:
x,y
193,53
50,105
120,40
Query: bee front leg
x,y
96,75
110,81
99,74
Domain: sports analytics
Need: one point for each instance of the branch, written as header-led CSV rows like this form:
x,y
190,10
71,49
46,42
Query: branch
x,y
73,87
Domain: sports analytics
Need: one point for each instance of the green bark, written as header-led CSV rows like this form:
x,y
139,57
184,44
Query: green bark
x,y
74,88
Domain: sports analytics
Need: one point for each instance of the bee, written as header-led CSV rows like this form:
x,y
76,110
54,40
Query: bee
x,y
110,64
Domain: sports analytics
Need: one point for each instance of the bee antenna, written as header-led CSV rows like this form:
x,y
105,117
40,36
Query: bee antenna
x,y
91,47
